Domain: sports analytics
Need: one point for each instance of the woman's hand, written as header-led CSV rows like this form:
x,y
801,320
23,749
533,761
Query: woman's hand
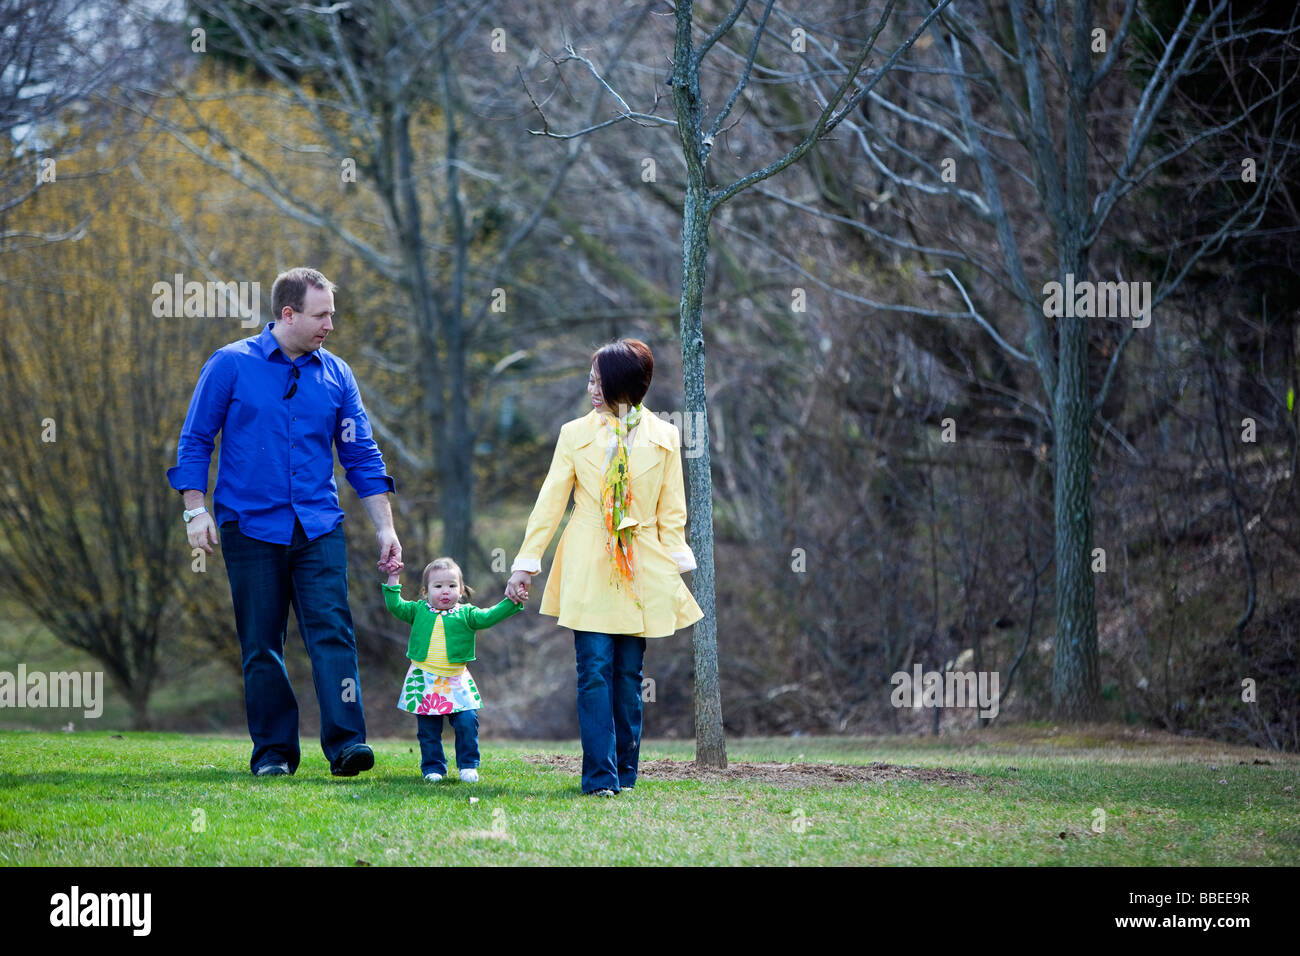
x,y
517,586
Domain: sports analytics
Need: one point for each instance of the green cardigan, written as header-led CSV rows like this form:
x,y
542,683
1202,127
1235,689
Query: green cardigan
x,y
459,624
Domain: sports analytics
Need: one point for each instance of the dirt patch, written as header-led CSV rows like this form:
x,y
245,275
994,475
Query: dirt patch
x,y
781,774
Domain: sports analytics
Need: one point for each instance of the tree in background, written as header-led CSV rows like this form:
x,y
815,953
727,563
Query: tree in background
x,y
697,131
91,540
92,394
381,86
58,59
1033,113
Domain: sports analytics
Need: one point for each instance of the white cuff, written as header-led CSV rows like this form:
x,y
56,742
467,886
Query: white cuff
x,y
685,560
531,565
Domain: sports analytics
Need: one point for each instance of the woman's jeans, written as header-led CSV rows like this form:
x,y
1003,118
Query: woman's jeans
x,y
609,708
428,727
265,579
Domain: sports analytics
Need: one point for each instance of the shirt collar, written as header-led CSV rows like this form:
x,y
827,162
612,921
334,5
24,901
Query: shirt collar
x,y
269,346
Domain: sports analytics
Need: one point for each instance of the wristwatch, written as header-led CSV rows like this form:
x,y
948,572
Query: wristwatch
x,y
187,515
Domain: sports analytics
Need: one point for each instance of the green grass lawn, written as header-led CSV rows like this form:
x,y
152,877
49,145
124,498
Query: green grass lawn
x,y
172,799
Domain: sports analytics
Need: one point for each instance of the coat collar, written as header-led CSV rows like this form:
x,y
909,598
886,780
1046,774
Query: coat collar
x,y
652,429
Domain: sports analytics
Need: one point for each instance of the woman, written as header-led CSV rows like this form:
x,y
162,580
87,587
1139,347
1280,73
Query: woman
x,y
616,577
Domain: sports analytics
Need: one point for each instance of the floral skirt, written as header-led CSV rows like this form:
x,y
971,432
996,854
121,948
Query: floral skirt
x,y
424,692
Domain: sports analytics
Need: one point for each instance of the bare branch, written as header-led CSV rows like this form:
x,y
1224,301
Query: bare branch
x,y
720,31
625,112
1006,346
1039,339
828,119
841,293
1151,104
744,75
1116,43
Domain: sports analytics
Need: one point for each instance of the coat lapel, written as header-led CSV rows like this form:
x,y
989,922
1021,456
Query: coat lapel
x,y
646,451
589,449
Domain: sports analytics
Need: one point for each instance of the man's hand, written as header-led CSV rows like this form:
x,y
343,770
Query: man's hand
x,y
202,532
390,551
517,586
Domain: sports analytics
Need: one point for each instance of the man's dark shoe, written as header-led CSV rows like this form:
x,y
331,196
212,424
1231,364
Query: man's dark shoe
x,y
352,761
272,770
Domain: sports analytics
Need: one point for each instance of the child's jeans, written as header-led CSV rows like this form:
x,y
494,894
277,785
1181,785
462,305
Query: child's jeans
x,y
429,730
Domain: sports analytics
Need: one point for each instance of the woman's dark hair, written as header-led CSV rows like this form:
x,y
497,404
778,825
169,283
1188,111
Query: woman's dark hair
x,y
625,368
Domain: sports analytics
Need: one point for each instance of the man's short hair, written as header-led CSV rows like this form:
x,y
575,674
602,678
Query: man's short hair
x,y
290,289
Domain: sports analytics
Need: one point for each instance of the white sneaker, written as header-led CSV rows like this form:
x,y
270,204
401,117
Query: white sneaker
x,y
433,777
469,776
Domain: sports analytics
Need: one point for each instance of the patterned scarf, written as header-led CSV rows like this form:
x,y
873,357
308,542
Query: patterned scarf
x,y
616,500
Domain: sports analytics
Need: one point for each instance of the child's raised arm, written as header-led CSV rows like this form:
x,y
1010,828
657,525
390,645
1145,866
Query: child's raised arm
x,y
402,610
480,619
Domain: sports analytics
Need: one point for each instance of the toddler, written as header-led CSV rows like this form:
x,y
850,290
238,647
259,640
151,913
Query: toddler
x,y
437,682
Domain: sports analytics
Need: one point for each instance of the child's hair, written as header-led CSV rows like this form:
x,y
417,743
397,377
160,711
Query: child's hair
x,y
445,564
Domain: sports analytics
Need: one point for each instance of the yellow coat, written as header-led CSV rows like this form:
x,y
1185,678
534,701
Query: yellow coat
x,y
578,590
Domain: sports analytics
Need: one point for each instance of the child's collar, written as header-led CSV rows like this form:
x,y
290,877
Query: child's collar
x,y
442,610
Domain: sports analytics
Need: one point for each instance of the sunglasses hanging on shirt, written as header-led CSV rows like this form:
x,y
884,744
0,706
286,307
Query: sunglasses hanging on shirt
x,y
293,382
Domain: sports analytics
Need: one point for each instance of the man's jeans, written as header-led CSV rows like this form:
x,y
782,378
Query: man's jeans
x,y
265,579
609,708
429,730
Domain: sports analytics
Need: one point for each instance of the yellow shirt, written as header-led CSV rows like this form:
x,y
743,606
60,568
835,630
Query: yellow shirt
x,y
436,661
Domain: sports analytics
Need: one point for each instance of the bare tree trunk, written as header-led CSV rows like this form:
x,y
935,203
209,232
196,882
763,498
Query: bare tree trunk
x,y
1075,680
455,462
710,741
141,717
404,207
701,201
1076,690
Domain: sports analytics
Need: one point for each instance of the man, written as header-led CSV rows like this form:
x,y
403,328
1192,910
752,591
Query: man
x,y
282,403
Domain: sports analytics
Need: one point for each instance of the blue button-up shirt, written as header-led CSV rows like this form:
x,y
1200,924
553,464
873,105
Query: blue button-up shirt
x,y
276,459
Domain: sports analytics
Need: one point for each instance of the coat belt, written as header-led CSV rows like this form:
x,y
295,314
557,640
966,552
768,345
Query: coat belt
x,y
596,519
